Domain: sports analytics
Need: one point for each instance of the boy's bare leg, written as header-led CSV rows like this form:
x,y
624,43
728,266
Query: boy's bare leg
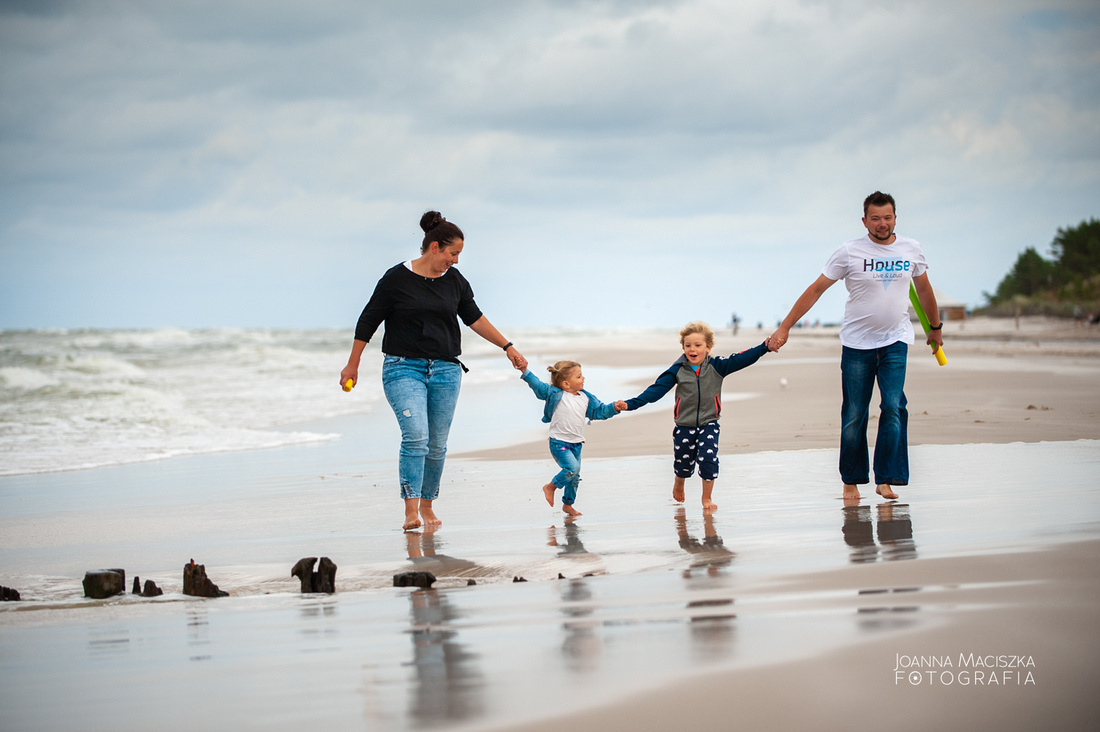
x,y
412,514
426,513
548,491
886,492
568,508
678,489
709,506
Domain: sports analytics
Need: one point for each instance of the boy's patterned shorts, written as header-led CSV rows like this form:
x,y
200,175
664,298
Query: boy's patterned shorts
x,y
691,445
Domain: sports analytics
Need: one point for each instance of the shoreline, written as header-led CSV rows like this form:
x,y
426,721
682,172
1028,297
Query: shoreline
x,y
998,387
775,611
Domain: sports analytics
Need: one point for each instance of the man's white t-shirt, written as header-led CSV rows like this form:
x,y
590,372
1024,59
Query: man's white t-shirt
x,y
568,421
877,277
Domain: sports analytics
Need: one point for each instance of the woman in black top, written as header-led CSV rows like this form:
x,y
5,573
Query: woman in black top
x,y
420,302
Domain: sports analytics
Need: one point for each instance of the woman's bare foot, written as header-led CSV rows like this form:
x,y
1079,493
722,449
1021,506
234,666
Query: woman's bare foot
x,y
570,510
426,513
548,491
886,492
678,490
412,514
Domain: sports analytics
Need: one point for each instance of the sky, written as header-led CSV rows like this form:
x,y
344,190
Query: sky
x,y
262,163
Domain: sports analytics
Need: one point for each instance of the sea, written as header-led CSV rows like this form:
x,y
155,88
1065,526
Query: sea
x,y
79,399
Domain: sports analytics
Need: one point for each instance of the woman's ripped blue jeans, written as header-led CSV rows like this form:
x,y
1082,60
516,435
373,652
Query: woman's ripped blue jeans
x,y
422,394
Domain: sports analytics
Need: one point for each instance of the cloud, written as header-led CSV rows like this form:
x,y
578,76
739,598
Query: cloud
x,y
281,153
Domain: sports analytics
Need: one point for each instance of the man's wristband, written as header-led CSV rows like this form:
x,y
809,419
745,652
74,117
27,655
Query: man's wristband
x,y
936,327
509,344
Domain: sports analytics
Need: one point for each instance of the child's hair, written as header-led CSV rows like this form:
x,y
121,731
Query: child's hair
x,y
560,371
698,326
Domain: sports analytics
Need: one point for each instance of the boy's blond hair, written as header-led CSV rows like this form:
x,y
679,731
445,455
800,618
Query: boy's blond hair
x,y
560,371
698,326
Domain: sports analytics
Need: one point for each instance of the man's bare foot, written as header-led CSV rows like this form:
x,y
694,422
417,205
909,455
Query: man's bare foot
x,y
709,507
570,510
886,492
851,495
548,491
678,490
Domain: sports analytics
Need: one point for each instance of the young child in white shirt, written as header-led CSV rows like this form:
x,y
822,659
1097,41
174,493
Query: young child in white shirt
x,y
569,409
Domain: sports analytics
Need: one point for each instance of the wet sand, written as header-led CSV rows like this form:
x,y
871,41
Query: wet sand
x,y
784,610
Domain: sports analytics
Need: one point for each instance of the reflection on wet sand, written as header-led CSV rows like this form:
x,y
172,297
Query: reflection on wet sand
x,y
894,528
448,685
582,646
895,533
422,549
572,534
711,628
711,552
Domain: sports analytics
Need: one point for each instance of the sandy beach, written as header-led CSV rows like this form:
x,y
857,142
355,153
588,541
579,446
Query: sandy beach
x,y
968,603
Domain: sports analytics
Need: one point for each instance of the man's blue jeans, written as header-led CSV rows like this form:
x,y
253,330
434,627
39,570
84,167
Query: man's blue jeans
x,y
568,457
859,371
422,394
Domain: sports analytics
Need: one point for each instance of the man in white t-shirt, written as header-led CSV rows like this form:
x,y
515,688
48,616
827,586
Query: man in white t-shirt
x,y
877,269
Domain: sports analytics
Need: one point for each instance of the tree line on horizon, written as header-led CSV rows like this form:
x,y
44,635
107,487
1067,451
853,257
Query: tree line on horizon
x,y
1065,284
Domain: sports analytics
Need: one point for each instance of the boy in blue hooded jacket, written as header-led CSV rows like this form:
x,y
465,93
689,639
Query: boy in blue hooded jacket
x,y
698,381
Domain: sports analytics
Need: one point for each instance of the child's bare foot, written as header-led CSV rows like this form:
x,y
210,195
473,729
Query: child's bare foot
x,y
886,492
411,523
570,510
548,491
709,506
678,490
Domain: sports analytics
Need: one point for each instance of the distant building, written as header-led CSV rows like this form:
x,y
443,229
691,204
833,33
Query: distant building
x,y
950,308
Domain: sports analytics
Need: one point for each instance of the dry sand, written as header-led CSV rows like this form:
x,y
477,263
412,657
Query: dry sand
x,y
1038,383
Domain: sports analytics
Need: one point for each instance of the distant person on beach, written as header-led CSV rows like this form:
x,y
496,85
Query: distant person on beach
x,y
569,409
877,269
421,301
698,381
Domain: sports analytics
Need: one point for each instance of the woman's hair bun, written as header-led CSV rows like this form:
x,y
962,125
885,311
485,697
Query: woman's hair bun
x,y
430,220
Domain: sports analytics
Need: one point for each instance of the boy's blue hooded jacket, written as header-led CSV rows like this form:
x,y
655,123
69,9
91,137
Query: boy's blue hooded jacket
x,y
552,396
698,394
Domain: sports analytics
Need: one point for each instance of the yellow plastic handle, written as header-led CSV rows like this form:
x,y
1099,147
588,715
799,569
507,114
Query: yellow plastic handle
x,y
941,357
348,384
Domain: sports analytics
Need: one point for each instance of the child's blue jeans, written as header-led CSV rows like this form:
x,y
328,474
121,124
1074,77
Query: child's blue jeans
x,y
568,457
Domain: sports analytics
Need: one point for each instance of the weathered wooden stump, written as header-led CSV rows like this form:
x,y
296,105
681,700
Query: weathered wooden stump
x,y
197,584
414,579
103,583
151,589
323,580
